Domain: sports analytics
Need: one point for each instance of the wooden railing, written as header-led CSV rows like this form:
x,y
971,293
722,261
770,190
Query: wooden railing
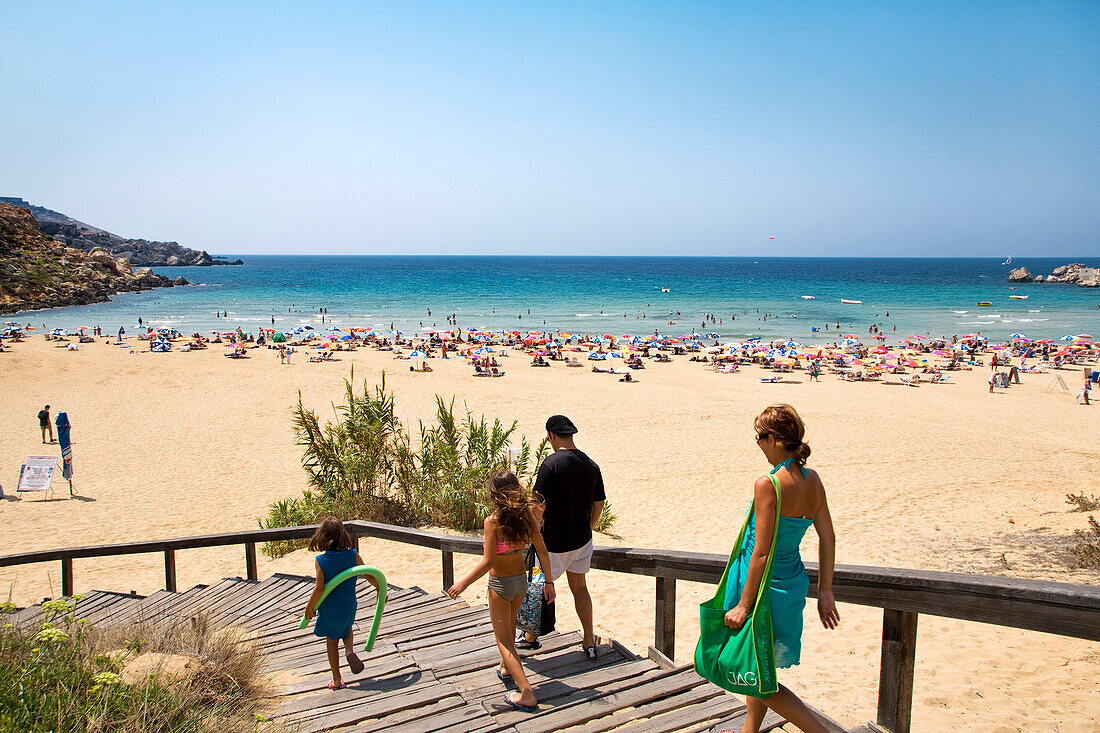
x,y
1057,608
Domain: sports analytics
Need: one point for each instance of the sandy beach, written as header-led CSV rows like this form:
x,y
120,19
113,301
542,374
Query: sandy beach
x,y
946,477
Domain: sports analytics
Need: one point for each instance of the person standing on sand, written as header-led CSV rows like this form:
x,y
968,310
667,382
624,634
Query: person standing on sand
x,y
45,424
571,486
779,435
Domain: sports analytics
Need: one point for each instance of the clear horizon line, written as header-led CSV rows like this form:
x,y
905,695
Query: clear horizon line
x,y
643,257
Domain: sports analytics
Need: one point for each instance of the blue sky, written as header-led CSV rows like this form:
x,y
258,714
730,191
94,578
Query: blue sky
x,y
922,129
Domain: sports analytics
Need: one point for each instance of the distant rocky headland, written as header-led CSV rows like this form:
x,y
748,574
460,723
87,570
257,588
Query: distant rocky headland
x,y
140,252
39,272
1075,274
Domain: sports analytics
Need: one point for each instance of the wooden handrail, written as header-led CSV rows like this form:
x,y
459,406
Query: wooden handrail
x,y
1058,608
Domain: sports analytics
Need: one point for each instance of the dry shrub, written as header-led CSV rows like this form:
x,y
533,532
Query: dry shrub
x,y
215,669
1082,503
1084,549
163,676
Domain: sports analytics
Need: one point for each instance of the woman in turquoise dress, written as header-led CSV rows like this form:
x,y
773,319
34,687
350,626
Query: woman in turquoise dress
x,y
779,435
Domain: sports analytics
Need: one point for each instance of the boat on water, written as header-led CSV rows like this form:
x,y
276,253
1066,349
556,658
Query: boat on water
x,y
851,302
1008,261
985,303
1018,297
664,290
807,297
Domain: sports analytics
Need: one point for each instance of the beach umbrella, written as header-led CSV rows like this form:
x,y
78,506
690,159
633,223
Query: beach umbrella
x,y
417,354
1016,336
1067,338
64,442
1084,335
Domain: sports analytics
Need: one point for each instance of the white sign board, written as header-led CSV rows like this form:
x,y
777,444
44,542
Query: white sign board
x,y
37,473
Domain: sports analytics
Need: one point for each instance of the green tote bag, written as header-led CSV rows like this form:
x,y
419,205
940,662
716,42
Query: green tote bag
x,y
741,661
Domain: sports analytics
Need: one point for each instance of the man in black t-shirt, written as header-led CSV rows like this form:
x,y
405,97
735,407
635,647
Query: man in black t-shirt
x,y
571,485
44,423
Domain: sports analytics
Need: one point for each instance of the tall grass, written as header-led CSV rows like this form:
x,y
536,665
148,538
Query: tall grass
x,y
65,676
364,464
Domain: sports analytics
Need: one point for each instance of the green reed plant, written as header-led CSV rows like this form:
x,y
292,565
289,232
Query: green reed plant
x,y
364,464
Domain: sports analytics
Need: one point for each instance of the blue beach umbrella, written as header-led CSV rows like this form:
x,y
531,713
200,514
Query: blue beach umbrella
x,y
1068,338
417,354
63,440
1017,336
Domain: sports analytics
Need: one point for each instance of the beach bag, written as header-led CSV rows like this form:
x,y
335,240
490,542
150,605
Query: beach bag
x,y
535,616
741,661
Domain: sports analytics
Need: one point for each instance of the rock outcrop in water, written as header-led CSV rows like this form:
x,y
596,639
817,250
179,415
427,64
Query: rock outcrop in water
x,y
39,272
140,252
1074,274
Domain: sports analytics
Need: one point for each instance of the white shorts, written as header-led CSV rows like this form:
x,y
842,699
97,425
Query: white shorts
x,y
576,561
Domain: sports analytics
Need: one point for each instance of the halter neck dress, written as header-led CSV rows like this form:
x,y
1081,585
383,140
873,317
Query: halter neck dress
x,y
789,583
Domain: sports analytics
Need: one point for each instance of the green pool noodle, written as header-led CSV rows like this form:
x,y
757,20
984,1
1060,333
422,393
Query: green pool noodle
x,y
379,605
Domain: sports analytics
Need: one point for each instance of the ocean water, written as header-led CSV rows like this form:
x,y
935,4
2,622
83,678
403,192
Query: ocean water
x,y
616,295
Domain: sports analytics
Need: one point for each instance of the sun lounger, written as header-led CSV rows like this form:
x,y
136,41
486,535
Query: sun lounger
x,y
773,380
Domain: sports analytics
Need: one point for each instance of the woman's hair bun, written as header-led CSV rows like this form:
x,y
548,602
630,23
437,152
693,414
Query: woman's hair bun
x,y
784,423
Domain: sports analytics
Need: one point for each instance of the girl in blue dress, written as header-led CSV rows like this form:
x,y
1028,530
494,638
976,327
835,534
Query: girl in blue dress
x,y
336,614
779,433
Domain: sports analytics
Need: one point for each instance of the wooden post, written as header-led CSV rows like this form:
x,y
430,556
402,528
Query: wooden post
x,y
895,682
664,628
66,576
448,569
170,570
250,561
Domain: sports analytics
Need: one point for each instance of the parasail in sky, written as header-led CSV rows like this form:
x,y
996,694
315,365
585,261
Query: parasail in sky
x,y
771,237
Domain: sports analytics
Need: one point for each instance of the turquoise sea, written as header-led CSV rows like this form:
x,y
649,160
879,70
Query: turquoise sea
x,y
598,295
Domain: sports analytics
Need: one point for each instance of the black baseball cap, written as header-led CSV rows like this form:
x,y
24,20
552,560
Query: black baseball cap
x,y
560,425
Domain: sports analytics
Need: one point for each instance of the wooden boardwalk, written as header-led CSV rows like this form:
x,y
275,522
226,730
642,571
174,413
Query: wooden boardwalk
x,y
432,668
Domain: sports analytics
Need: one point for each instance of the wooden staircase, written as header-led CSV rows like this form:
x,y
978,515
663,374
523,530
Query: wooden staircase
x,y
432,668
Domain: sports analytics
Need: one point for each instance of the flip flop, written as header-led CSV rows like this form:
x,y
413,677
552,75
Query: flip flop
x,y
355,663
591,652
528,645
519,706
333,686
505,678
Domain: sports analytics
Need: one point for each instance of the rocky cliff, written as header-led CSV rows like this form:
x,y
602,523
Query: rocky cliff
x,y
140,252
1073,274
39,272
